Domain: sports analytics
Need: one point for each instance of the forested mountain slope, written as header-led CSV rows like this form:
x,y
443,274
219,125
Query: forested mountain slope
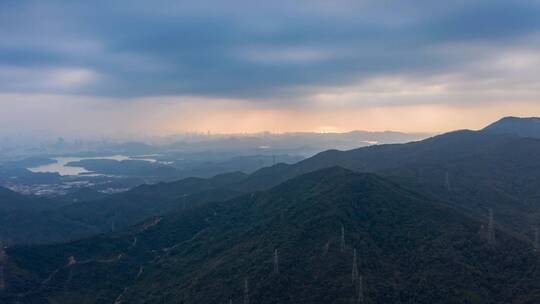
x,y
472,170
292,244
65,220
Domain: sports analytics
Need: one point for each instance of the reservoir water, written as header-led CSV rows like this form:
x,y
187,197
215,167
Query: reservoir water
x,y
61,162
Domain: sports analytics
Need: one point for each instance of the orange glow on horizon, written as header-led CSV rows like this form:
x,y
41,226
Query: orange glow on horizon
x,y
158,116
413,118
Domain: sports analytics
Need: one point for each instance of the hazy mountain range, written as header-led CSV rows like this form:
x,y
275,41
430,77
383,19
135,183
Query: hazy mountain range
x,y
449,219
248,143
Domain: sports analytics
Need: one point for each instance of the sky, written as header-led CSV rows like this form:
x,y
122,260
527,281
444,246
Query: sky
x,y
87,68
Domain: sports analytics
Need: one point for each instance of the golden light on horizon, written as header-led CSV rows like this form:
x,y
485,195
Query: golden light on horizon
x,y
170,115
428,118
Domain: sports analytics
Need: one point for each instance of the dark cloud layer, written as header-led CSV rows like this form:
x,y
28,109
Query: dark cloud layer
x,y
249,49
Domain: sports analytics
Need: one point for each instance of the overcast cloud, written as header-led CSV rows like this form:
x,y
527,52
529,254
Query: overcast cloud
x,y
269,55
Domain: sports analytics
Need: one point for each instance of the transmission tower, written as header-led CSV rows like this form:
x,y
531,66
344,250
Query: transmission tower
x,y
354,268
342,247
246,292
491,228
447,181
276,261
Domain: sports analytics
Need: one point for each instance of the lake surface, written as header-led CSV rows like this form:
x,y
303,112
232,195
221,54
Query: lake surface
x,y
61,162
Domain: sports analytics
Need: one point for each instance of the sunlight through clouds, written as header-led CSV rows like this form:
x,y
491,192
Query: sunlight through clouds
x,y
182,65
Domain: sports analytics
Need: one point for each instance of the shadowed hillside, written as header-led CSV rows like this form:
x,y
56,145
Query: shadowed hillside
x,y
292,244
64,220
472,170
524,127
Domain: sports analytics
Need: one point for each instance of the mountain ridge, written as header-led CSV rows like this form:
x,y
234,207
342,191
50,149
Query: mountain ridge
x,y
520,126
474,169
409,249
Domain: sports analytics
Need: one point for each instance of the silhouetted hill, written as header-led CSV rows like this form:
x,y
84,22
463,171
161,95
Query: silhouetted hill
x,y
286,243
468,169
84,214
82,195
13,174
11,201
525,127
436,150
472,170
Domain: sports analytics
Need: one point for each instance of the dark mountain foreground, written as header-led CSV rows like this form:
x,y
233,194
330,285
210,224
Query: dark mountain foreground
x,y
30,220
525,127
331,236
471,170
